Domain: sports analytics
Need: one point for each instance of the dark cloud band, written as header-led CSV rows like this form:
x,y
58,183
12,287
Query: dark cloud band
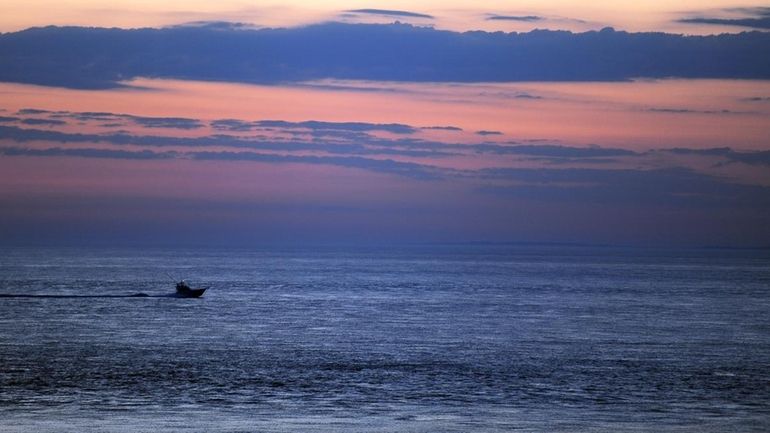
x,y
90,58
390,13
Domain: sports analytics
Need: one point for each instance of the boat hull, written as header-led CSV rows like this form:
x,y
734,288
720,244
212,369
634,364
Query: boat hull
x,y
190,293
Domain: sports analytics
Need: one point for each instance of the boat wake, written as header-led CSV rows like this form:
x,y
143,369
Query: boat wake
x,y
135,295
183,290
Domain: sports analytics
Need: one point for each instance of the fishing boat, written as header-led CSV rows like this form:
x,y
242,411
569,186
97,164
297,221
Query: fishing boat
x,y
183,290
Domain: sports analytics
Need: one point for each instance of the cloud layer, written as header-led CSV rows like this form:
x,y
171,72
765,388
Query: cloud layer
x,y
758,18
390,13
101,58
543,172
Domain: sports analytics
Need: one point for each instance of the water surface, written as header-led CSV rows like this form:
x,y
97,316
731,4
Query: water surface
x,y
419,339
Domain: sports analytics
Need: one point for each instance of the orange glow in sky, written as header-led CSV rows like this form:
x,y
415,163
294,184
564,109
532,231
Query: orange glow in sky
x,y
635,115
653,15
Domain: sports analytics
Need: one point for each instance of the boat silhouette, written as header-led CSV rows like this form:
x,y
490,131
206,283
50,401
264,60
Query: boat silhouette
x,y
183,290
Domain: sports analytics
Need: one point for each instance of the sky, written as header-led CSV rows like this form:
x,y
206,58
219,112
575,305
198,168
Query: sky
x,y
251,123
461,15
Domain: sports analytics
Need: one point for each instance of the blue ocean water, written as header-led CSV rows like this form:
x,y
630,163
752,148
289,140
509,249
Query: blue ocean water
x,y
414,339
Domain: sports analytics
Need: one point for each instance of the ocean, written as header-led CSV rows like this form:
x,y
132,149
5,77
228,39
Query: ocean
x,y
442,338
